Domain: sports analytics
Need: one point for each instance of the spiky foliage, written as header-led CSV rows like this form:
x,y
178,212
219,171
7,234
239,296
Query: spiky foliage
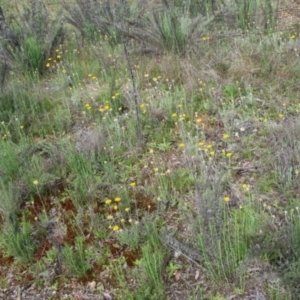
x,y
29,39
103,18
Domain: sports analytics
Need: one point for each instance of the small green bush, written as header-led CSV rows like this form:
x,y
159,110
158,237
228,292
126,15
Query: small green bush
x,y
77,260
17,242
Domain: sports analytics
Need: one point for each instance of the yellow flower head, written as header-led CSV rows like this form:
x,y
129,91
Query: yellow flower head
x,y
107,201
181,145
226,136
115,228
127,209
228,154
117,199
35,182
226,198
132,184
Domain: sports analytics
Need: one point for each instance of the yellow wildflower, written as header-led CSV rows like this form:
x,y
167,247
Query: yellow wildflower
x,y
117,199
115,228
246,187
132,184
35,182
226,198
107,201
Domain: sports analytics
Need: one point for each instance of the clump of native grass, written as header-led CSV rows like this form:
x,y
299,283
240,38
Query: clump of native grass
x,y
30,37
284,147
167,27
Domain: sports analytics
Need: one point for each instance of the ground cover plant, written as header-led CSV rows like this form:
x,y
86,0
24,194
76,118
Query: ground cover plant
x,y
149,149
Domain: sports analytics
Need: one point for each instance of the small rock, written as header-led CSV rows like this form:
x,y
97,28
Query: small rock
x,y
92,285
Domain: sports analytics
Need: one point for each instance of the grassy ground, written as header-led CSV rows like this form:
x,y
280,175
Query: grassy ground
x,y
150,151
